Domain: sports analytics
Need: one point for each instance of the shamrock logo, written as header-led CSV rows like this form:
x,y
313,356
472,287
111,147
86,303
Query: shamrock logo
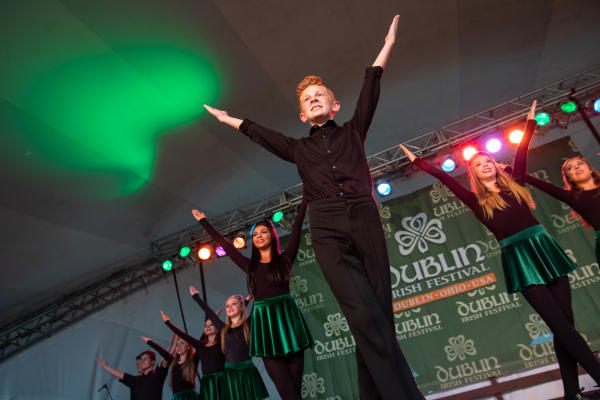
x,y
335,325
297,286
458,347
537,327
311,385
440,192
417,232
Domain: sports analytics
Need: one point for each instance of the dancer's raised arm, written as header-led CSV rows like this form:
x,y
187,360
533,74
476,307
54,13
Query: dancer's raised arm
x,y
390,39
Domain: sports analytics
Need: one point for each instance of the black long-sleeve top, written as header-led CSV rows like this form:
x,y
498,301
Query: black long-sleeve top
x,y
586,202
331,162
146,386
179,384
211,357
515,217
236,348
265,285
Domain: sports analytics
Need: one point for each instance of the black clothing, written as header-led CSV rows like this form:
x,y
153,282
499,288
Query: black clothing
x,y
179,384
148,386
504,223
236,347
331,162
265,285
348,238
286,374
585,202
553,303
211,357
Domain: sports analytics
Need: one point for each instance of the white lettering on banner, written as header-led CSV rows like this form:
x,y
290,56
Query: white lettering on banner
x,y
584,276
311,303
432,266
450,210
335,348
418,326
485,306
477,370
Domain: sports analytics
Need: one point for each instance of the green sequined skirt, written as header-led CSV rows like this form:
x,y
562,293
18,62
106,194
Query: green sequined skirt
x,y
241,381
532,257
278,328
189,394
210,386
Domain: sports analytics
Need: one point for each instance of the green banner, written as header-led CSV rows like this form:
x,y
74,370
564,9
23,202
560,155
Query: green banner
x,y
454,320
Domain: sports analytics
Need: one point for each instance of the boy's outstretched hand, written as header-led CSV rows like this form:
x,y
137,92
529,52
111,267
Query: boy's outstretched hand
x,y
223,117
390,39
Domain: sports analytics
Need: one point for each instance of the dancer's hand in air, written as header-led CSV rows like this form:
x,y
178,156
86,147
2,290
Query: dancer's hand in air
x,y
224,117
408,153
198,215
164,316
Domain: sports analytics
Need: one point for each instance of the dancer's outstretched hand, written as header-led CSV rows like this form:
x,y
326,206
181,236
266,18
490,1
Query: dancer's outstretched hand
x,y
531,114
145,339
193,290
408,153
391,36
218,312
221,115
164,316
198,215
101,362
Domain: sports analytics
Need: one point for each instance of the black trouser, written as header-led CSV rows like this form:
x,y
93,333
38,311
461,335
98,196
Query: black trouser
x,y
553,303
286,374
351,249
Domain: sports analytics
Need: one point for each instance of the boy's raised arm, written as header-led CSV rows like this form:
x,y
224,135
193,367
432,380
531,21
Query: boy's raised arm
x,y
390,39
223,117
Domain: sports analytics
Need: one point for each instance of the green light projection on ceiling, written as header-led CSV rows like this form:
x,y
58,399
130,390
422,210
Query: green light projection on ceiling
x,y
109,109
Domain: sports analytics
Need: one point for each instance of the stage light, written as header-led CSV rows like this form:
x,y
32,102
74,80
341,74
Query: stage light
x,y
568,107
167,265
278,216
204,252
220,251
468,152
448,165
596,106
493,145
515,136
384,188
184,252
239,242
542,119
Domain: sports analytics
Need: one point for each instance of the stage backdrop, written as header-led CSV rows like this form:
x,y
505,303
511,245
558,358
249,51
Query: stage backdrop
x,y
454,320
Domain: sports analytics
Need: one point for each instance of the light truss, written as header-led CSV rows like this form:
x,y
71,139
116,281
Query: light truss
x,y
46,321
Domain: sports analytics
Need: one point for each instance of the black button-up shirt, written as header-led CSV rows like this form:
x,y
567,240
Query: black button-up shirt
x,y
148,386
331,162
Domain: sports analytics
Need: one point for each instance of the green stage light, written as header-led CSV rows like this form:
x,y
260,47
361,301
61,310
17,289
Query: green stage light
x,y
167,265
568,107
278,216
184,251
542,119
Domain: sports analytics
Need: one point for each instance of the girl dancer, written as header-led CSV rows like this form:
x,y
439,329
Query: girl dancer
x,y
582,192
208,351
183,369
279,333
532,261
241,380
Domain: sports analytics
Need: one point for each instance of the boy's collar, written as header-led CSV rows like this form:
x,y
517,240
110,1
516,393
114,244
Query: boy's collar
x,y
329,123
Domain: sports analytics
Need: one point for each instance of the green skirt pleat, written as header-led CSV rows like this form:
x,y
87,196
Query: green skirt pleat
x,y
241,381
189,394
532,257
210,386
598,247
278,328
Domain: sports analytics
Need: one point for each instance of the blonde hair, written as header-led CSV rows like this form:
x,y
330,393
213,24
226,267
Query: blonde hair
x,y
490,201
311,80
188,369
244,316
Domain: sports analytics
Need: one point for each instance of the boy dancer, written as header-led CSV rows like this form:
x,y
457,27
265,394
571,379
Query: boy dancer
x,y
345,227
148,384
